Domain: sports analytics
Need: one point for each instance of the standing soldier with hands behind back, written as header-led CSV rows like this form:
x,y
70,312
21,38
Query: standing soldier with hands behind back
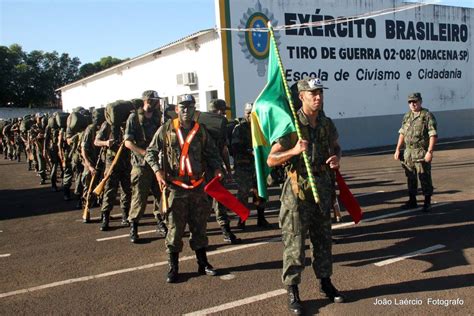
x,y
419,134
185,146
300,215
140,128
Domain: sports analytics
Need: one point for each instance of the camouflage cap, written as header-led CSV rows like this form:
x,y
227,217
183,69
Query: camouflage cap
x,y
415,96
186,98
137,103
310,84
248,107
217,104
150,95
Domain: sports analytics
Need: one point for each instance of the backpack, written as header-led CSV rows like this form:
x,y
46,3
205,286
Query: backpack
x,y
116,113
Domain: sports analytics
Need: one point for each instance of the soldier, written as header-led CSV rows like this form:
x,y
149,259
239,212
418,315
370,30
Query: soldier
x,y
91,156
418,134
37,137
111,137
50,149
185,145
218,106
140,128
244,166
300,215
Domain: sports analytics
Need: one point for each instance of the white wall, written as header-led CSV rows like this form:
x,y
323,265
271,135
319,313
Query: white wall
x,y
157,73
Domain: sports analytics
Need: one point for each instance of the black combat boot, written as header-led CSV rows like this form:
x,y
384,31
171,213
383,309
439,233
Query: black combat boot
x,y
54,187
294,302
67,194
241,224
326,288
125,221
411,203
79,204
161,228
29,165
173,259
427,203
261,221
134,231
104,226
229,237
204,266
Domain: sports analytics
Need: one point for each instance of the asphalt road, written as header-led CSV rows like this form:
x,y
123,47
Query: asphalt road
x,y
393,262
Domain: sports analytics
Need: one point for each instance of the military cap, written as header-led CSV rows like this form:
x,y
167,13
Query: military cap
x,y
150,94
415,96
217,104
248,107
137,103
186,98
310,84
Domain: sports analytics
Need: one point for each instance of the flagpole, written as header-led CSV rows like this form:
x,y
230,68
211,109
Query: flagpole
x,y
311,180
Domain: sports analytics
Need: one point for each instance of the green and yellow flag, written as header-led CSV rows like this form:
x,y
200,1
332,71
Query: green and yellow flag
x,y
270,118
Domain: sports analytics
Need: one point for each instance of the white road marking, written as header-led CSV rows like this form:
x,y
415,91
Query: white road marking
x,y
5,255
133,269
368,193
373,219
126,235
409,255
237,303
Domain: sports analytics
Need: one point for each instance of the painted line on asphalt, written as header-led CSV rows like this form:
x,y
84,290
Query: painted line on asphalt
x,y
5,255
133,269
373,219
238,303
368,193
126,235
409,255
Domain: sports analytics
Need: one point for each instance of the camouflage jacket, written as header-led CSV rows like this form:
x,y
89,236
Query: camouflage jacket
x,y
202,152
417,128
319,150
242,146
140,130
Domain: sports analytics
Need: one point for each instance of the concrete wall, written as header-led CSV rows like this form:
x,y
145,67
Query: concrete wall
x,y
374,131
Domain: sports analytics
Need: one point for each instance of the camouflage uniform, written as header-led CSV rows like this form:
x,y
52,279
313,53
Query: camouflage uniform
x,y
120,174
92,155
37,137
51,144
66,164
76,161
140,130
300,216
417,128
186,206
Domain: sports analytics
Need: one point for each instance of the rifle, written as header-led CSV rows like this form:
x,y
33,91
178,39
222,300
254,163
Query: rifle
x,y
86,212
164,159
100,187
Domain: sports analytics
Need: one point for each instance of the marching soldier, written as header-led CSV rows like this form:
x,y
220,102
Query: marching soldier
x,y
50,149
219,107
185,145
140,128
111,137
37,137
244,166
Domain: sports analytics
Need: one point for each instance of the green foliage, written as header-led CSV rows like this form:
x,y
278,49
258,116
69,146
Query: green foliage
x,y
30,79
89,69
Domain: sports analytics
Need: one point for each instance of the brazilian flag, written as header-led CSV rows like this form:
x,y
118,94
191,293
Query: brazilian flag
x,y
270,118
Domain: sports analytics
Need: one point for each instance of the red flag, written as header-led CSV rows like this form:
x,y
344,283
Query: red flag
x,y
215,189
349,201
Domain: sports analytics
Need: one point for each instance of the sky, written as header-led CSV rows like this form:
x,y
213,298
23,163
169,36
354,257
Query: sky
x,y
92,29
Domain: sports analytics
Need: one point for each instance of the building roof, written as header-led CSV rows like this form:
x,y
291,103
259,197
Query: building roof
x,y
151,53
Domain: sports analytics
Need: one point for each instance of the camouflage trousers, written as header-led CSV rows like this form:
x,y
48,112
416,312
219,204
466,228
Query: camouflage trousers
x,y
41,162
421,171
68,174
187,207
119,176
296,225
53,154
245,183
143,181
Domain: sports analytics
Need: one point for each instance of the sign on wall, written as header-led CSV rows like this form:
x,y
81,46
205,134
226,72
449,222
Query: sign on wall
x,y
371,54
